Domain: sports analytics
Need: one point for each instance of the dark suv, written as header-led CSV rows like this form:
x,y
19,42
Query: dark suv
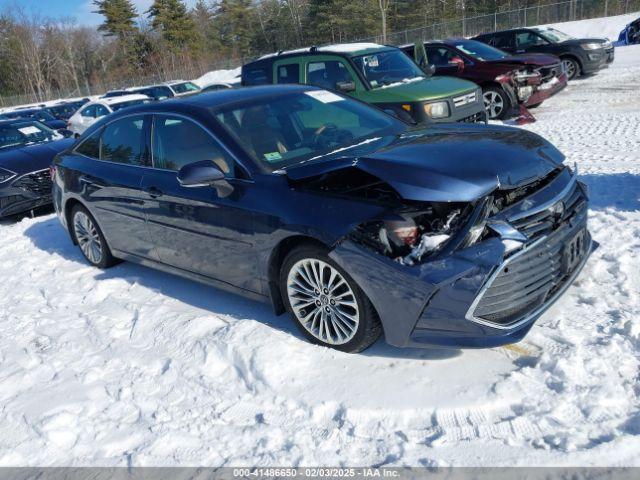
x,y
580,56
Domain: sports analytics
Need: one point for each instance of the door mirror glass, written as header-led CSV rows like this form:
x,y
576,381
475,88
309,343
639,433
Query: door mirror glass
x,y
346,87
200,174
429,70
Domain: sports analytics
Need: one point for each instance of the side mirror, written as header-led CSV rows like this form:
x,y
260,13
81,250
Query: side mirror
x,y
66,133
200,174
458,62
346,87
429,70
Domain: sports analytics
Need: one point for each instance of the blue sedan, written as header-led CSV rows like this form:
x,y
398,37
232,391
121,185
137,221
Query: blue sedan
x,y
27,148
354,222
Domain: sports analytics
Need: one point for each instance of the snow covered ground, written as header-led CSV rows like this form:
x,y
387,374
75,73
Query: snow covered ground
x,y
130,366
609,27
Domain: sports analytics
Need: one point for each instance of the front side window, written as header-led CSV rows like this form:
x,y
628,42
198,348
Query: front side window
x,y
387,67
304,126
101,111
439,56
288,73
328,74
178,142
24,133
503,40
124,141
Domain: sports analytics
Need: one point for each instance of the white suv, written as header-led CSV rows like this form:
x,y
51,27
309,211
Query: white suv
x,y
91,112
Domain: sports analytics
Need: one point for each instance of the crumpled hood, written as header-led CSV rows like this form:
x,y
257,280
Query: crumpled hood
x,y
453,163
534,59
32,157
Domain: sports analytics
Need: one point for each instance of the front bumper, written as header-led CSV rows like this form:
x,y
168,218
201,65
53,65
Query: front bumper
x,y
26,193
593,61
484,295
547,90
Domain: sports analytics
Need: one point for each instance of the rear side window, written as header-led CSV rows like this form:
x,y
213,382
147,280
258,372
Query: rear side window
x,y
90,147
503,40
124,141
288,73
256,75
101,111
439,56
178,142
89,111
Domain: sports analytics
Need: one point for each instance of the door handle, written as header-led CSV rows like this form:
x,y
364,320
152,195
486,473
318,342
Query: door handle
x,y
154,192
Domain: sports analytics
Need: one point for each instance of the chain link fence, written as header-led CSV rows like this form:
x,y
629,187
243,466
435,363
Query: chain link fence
x,y
558,12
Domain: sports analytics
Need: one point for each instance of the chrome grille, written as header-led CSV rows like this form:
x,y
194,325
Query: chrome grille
x,y
37,182
569,208
528,280
463,100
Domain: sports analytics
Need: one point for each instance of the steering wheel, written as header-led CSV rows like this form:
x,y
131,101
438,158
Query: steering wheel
x,y
324,135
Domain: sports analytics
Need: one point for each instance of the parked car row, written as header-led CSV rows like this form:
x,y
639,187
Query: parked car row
x,y
414,240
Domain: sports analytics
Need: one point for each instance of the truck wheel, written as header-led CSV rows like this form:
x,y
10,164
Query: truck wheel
x,y
327,305
496,103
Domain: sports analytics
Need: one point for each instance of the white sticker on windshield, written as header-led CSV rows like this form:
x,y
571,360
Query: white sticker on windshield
x,y
29,130
324,96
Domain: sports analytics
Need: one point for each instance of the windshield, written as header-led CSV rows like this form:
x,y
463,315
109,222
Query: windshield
x,y
480,51
304,126
119,106
24,133
185,87
387,67
553,35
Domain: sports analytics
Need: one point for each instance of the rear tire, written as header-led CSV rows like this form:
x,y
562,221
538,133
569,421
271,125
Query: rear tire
x,y
571,67
89,238
496,103
326,304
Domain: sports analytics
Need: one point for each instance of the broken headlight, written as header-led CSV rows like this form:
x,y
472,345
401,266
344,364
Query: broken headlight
x,y
413,235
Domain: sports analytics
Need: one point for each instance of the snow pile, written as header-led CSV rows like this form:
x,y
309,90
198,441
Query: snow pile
x,y
231,77
605,27
130,366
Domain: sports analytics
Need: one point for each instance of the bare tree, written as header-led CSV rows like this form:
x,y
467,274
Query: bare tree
x,y
384,10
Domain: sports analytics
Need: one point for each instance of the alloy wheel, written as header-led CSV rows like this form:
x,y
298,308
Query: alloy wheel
x,y
322,301
493,103
570,68
88,238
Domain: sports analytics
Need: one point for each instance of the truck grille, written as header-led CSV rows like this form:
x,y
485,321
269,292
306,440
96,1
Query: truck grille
x,y
463,100
37,182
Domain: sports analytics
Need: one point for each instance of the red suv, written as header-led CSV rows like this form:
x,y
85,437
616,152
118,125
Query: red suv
x,y
507,81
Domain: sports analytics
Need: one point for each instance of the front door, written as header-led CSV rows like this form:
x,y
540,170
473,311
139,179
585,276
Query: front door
x,y
203,230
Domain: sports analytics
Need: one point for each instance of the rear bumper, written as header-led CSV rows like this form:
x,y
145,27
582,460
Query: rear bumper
x,y
547,90
479,297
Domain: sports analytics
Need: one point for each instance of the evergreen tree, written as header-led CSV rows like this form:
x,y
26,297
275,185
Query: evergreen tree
x,y
234,20
119,16
170,18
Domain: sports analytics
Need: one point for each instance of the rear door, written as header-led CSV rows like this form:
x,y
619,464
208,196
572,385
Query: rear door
x,y
287,71
111,184
199,229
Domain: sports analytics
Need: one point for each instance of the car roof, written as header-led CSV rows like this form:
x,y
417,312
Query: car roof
x,y
121,99
346,49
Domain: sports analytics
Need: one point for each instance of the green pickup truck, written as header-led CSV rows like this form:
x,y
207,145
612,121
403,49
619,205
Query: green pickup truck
x,y
380,75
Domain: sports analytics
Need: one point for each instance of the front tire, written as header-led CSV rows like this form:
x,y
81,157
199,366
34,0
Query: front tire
x,y
326,304
90,239
496,103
